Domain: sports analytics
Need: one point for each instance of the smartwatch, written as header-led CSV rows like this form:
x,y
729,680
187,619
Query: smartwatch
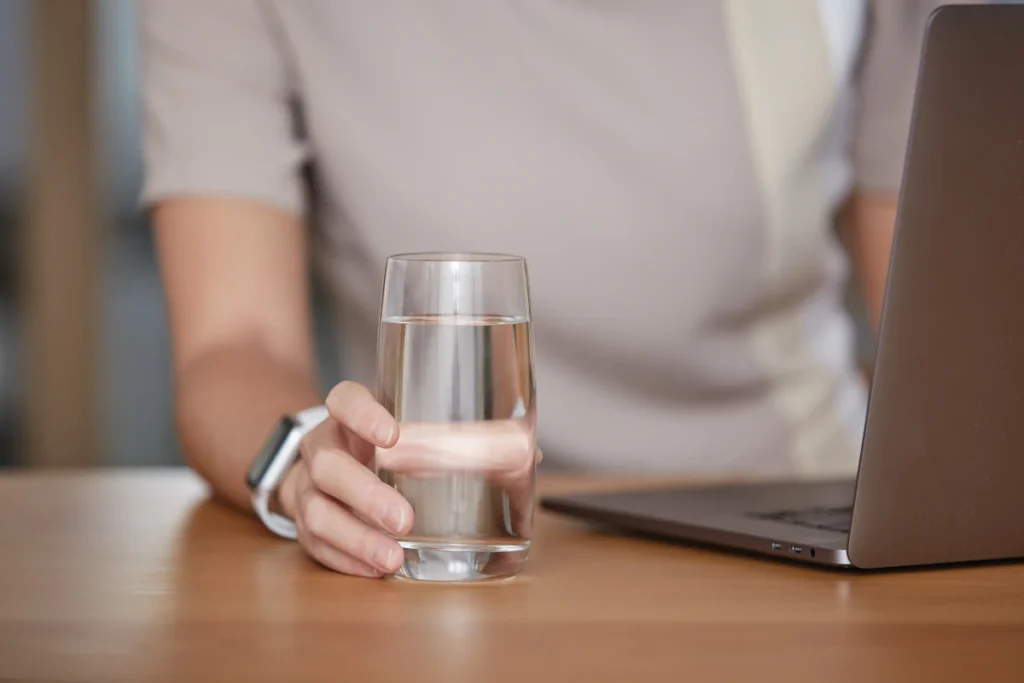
x,y
275,458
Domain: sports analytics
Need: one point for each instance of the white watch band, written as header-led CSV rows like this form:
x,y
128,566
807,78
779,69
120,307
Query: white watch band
x,y
283,459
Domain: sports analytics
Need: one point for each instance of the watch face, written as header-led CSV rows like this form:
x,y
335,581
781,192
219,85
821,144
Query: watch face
x,y
259,467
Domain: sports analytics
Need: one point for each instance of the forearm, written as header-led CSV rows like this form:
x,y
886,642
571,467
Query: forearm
x,y
235,278
869,232
226,403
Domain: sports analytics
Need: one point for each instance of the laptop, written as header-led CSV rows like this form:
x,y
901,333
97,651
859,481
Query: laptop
x,y
941,473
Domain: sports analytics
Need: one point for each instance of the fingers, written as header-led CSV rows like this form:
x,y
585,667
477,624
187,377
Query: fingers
x,y
339,475
326,477
325,522
436,447
334,559
353,406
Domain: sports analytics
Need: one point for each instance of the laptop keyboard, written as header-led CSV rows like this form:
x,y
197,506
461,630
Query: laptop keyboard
x,y
828,519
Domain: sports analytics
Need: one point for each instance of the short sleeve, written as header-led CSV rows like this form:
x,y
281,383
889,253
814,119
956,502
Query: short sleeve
x,y
885,90
217,104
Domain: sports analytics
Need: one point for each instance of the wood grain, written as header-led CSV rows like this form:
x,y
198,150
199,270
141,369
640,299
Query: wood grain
x,y
138,577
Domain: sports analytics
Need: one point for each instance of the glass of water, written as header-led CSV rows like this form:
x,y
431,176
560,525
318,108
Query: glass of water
x,y
455,368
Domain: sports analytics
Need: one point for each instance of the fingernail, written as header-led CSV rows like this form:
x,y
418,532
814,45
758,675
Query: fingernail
x,y
386,558
385,432
394,519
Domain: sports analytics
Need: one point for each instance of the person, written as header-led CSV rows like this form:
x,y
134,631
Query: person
x,y
671,171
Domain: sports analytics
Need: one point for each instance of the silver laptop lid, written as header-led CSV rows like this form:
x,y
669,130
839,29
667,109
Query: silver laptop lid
x,y
942,469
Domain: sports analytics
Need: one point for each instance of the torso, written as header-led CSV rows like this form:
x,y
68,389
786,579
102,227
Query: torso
x,y
668,169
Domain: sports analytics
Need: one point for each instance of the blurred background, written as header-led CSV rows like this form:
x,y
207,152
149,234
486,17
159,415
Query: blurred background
x,y
84,352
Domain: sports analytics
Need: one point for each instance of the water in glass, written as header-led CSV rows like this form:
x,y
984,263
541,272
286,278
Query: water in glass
x,y
462,389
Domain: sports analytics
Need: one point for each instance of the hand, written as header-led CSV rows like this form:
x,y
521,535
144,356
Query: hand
x,y
340,507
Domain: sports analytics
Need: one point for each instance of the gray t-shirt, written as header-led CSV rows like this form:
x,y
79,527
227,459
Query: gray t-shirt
x,y
669,169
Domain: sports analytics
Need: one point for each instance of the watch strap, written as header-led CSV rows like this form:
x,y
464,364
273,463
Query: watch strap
x,y
265,490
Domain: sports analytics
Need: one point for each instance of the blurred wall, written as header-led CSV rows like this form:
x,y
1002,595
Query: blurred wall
x,y
137,421
137,426
13,77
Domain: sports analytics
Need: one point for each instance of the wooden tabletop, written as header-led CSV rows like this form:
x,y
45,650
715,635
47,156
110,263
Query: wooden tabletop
x,y
136,576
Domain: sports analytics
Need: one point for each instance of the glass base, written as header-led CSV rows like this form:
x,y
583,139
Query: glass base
x,y
461,562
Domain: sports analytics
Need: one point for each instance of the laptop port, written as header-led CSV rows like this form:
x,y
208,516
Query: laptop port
x,y
776,546
795,549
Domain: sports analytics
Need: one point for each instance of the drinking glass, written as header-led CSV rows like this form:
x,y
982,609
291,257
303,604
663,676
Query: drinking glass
x,y
455,368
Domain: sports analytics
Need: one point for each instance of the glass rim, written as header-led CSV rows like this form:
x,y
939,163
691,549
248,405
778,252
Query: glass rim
x,y
456,257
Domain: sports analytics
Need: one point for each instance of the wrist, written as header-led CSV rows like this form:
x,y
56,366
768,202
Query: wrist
x,y
273,477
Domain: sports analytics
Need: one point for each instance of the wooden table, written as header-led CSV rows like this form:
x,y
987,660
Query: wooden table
x,y
136,576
